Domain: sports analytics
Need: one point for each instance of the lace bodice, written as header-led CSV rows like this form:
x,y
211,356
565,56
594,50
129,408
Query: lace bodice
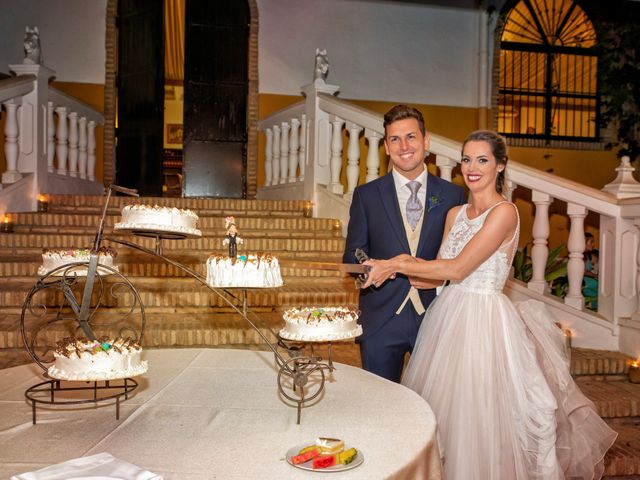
x,y
492,274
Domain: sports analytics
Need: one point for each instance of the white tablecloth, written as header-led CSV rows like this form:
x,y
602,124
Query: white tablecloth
x,y
217,413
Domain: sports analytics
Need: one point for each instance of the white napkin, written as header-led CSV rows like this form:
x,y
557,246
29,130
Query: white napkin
x,y
102,466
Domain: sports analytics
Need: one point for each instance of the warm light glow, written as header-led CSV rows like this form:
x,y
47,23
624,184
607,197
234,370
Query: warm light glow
x,y
6,219
634,363
42,198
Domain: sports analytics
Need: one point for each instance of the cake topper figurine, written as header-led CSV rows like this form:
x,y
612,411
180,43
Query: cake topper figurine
x,y
321,69
32,52
232,239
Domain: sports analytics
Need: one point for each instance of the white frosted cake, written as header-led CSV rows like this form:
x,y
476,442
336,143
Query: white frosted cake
x,y
320,324
102,359
52,259
162,219
257,271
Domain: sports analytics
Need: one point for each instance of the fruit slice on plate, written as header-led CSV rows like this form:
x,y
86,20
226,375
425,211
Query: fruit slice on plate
x,y
305,456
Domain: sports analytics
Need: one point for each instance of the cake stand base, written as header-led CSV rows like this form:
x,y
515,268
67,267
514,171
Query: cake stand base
x,y
45,393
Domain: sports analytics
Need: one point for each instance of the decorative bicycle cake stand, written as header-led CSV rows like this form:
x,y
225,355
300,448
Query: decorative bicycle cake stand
x,y
73,295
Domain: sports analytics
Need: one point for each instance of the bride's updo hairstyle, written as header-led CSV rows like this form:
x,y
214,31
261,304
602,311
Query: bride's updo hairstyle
x,y
498,149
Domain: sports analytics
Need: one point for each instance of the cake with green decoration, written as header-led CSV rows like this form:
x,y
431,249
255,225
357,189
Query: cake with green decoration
x,y
244,271
92,360
320,324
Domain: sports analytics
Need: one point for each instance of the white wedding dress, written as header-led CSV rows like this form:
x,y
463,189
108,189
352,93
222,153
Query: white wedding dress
x,y
497,378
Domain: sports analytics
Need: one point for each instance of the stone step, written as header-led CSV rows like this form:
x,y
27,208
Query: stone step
x,y
259,221
586,362
186,292
273,243
240,205
622,461
613,399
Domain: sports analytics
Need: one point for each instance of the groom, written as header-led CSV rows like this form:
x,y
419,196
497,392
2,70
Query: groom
x,y
401,212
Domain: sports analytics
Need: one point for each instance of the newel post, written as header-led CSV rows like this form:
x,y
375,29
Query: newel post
x,y
317,169
33,126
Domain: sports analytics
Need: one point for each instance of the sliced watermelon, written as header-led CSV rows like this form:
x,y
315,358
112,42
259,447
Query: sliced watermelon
x,y
305,457
324,461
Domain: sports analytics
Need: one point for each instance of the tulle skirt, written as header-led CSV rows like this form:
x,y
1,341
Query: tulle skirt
x,y
497,379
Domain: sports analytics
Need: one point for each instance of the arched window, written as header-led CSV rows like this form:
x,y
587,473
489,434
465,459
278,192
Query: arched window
x,y
547,88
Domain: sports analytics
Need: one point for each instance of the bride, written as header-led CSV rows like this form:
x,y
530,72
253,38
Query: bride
x,y
496,375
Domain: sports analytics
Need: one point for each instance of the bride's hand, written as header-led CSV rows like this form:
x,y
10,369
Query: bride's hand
x,y
381,270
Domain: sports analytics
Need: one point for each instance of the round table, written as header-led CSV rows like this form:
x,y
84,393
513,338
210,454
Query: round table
x,y
217,413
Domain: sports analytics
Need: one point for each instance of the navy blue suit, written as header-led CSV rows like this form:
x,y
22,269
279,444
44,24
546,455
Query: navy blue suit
x,y
376,227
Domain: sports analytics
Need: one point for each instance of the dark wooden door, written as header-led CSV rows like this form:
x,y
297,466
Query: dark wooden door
x,y
140,87
215,98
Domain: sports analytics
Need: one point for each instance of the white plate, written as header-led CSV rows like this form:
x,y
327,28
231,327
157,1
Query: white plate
x,y
336,468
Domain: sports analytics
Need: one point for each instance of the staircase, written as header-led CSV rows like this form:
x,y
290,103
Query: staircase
x,y
181,313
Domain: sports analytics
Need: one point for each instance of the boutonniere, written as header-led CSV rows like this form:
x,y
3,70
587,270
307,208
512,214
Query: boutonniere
x,y
432,202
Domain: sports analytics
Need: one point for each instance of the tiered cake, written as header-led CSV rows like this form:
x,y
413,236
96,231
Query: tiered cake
x,y
102,359
159,219
260,270
52,259
320,324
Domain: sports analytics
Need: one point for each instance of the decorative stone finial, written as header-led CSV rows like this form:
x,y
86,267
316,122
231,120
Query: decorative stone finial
x,y
321,69
32,52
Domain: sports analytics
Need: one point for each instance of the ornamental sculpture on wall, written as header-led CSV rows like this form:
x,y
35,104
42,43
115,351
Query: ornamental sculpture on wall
x,y
322,65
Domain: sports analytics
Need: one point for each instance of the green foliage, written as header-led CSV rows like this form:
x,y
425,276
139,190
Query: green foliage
x,y
619,84
555,273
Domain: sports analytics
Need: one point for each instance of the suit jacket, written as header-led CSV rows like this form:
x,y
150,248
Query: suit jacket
x,y
375,226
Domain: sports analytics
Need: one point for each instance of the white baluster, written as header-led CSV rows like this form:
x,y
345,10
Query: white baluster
x,y
268,156
293,150
91,150
575,245
284,151
11,148
508,188
82,147
73,144
373,154
540,250
446,166
276,155
61,140
51,135
353,158
336,157
303,146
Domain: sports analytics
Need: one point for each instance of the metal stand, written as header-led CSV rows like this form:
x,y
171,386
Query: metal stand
x,y
304,375
38,393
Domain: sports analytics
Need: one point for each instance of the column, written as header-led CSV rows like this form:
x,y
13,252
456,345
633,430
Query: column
x,y
51,142
336,156
540,250
11,149
73,144
575,245
446,166
82,147
61,140
373,154
276,155
353,158
302,152
268,156
91,150
293,150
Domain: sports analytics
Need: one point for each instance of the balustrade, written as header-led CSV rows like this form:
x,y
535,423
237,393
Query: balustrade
x,y
322,169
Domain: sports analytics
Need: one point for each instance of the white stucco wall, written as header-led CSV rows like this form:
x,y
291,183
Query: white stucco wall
x,y
378,49
382,50
72,34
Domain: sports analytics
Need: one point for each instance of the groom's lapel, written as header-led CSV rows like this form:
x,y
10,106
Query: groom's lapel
x,y
434,202
389,199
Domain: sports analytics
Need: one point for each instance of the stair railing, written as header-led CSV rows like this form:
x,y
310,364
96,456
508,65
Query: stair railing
x,y
320,168
49,140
